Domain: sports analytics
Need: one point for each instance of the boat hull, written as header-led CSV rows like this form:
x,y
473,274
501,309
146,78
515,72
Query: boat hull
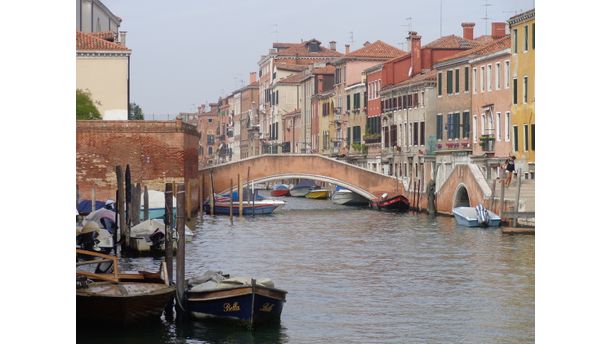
x,y
299,192
156,213
318,194
397,203
466,216
280,193
123,309
249,305
349,198
223,208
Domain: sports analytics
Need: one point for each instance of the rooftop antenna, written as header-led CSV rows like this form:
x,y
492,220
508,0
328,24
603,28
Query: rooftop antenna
x,y
409,25
401,44
440,18
275,32
351,37
486,17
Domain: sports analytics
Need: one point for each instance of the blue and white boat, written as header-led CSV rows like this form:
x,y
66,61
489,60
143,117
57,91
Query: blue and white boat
x,y
242,299
476,217
157,205
347,197
261,206
302,188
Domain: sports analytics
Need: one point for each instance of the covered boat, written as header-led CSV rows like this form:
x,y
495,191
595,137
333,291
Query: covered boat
x,y
344,196
397,203
241,299
318,194
476,217
280,190
157,205
149,236
302,188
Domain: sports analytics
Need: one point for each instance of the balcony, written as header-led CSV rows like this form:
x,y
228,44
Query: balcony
x,y
487,143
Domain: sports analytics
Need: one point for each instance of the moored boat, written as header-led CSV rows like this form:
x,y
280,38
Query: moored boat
x,y
397,203
120,298
157,205
302,188
344,196
261,206
318,194
280,190
476,217
241,299
149,236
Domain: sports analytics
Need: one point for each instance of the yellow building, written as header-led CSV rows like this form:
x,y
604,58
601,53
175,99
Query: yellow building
x,y
522,29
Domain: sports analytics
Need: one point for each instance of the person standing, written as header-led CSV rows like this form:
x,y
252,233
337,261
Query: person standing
x,y
510,169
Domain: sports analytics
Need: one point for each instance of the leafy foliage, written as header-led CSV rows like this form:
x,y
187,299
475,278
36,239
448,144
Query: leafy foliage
x,y
85,107
135,112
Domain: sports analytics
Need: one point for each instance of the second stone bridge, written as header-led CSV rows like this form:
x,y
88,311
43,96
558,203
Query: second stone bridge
x,y
269,167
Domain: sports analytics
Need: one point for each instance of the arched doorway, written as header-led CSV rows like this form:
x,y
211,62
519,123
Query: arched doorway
x,y
462,199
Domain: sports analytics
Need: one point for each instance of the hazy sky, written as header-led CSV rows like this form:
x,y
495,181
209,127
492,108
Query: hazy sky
x,y
190,52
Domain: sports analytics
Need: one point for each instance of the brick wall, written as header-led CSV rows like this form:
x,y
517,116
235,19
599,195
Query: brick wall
x,y
157,152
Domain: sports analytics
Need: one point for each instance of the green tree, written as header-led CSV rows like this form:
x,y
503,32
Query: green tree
x,y
85,107
135,112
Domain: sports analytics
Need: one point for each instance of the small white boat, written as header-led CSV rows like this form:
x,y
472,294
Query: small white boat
x,y
344,196
149,235
157,205
476,217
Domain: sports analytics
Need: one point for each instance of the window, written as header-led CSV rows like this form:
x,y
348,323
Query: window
x,y
409,132
449,82
393,135
348,102
405,101
453,126
514,41
210,150
488,77
526,38
457,80
210,139
515,132
533,137
482,124
507,138
525,137
497,76
514,91
466,79
357,101
210,120
439,84
507,81
466,124
533,36
415,133
482,80
525,89
422,134
498,126
474,125
348,136
422,98
439,126
474,78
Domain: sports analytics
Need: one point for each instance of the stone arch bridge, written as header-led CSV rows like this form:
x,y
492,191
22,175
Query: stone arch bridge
x,y
269,167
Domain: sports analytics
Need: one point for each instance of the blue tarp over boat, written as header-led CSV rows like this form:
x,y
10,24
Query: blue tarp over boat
x,y
84,206
244,196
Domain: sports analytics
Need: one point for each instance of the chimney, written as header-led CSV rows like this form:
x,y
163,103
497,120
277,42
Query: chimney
x,y
332,45
468,30
252,77
498,29
347,49
122,37
415,53
408,39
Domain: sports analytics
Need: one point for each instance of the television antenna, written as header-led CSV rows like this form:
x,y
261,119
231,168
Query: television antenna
x,y
408,25
351,35
275,32
486,17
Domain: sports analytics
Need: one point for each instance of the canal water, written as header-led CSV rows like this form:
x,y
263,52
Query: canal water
x,y
356,275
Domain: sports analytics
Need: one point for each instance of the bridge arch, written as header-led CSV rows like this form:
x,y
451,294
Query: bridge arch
x,y
269,167
462,196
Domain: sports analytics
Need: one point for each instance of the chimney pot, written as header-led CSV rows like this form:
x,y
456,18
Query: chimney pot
x,y
468,30
415,53
347,48
122,35
253,77
332,45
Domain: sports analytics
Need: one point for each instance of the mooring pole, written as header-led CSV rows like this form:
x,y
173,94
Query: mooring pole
x,y
146,203
93,198
518,197
168,229
418,196
200,193
253,204
231,201
212,195
239,196
121,209
502,198
180,252
188,199
247,186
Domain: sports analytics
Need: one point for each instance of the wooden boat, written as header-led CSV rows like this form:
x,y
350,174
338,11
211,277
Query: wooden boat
x,y
344,196
280,190
240,299
397,203
474,217
318,194
120,298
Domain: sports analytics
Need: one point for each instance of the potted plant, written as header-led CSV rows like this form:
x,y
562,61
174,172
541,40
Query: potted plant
x,y
486,142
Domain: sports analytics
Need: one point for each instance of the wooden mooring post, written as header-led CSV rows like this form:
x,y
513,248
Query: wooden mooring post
x,y
146,203
168,228
247,185
502,198
93,198
231,214
239,196
200,193
418,196
212,195
121,209
180,250
518,196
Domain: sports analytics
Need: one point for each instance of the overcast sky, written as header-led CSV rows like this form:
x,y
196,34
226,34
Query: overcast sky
x,y
190,52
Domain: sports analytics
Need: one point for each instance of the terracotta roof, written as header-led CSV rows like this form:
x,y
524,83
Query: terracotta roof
x,y
483,50
105,35
484,39
301,49
377,49
291,67
86,41
430,75
325,70
452,42
293,79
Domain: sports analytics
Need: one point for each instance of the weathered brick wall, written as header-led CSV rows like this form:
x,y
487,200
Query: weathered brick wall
x,y
157,152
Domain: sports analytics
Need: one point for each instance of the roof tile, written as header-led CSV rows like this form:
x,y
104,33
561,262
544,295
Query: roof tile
x,y
85,41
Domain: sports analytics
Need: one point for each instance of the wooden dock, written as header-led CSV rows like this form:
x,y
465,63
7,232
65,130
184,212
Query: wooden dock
x,y
517,230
